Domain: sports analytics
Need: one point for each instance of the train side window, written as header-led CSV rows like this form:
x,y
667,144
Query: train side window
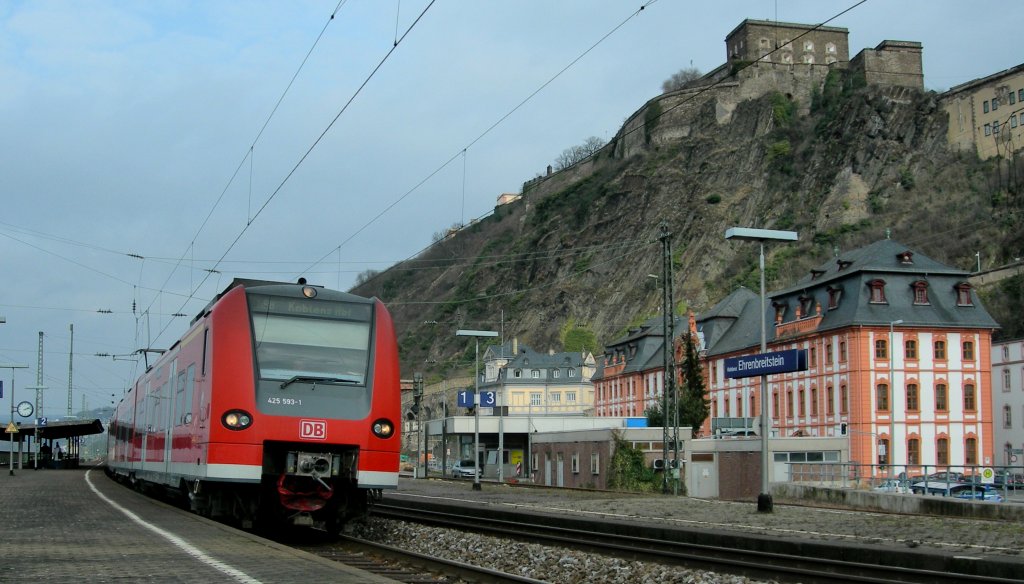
x,y
190,386
181,406
206,343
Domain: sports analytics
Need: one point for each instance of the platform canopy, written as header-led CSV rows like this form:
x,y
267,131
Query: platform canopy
x,y
55,430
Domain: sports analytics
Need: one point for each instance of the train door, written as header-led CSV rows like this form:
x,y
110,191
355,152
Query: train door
x,y
142,423
175,386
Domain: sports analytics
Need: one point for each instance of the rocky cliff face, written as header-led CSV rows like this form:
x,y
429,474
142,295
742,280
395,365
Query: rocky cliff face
x,y
579,248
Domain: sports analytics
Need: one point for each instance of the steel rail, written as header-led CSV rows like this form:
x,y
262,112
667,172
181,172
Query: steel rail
x,y
344,549
752,563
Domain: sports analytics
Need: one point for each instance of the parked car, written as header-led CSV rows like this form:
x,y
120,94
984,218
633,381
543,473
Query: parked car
x,y
943,488
1011,481
946,476
981,493
888,486
463,469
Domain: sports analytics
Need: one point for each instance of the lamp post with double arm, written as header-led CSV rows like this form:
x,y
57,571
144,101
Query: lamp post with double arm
x,y
476,400
764,500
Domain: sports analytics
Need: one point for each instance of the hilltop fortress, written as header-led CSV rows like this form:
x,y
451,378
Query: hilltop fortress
x,y
764,57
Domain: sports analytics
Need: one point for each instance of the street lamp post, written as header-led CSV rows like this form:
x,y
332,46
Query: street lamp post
x,y
12,367
764,500
476,399
891,455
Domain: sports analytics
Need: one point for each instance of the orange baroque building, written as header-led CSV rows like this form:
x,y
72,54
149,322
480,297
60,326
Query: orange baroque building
x,y
899,353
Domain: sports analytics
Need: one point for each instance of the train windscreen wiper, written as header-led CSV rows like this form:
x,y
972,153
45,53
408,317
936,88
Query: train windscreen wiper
x,y
316,379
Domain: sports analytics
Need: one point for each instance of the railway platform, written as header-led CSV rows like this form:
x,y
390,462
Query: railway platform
x,y
79,525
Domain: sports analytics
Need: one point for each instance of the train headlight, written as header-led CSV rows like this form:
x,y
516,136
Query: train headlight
x,y
236,419
383,428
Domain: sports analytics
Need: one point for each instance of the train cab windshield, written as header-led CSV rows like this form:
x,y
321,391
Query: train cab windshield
x,y
320,342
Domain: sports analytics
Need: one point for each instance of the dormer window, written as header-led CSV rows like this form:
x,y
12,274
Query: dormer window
x,y
834,293
780,311
906,257
963,294
920,292
843,264
806,304
877,292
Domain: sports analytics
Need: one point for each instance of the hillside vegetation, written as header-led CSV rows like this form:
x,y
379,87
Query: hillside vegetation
x,y
580,248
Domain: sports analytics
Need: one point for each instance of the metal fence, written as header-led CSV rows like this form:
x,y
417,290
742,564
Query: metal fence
x,y
906,478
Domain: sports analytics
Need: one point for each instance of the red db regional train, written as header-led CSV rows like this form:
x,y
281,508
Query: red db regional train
x,y
278,407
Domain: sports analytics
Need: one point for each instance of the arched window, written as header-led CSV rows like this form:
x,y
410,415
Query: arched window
x,y
963,294
881,349
910,349
882,397
968,350
920,292
941,397
940,350
971,451
913,451
912,404
942,451
969,398
877,291
1007,417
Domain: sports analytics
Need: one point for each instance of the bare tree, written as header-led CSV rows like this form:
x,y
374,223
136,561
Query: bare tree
x,y
679,79
574,154
365,276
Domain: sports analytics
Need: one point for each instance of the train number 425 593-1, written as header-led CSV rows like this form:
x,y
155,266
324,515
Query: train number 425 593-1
x,y
284,401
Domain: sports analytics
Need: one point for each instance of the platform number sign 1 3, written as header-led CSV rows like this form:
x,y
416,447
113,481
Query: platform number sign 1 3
x,y
488,399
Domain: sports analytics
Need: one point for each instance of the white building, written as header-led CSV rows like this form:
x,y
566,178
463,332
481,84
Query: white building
x,y
1008,401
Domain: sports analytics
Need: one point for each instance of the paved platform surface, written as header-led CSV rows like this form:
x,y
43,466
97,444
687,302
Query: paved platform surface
x,y
998,540
81,526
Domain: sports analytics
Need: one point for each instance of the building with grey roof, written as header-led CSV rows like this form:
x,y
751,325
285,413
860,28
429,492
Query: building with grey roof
x,y
878,316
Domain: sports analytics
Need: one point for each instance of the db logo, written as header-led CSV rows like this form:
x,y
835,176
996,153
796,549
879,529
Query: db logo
x,y
313,429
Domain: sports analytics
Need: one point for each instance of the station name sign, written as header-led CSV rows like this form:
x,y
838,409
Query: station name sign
x,y
766,363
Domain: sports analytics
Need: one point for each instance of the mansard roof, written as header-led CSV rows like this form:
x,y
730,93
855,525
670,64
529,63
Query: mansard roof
x,y
886,256
642,346
733,325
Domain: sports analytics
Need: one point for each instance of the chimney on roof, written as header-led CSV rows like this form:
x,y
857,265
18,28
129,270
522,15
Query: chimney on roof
x,y
515,345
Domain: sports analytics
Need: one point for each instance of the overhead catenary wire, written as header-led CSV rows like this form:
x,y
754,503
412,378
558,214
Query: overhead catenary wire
x,y
309,150
250,151
487,131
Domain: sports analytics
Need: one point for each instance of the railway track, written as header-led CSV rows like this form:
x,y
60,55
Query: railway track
x,y
751,563
407,566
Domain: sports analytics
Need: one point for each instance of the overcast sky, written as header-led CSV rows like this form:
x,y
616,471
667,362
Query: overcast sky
x,y
134,158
